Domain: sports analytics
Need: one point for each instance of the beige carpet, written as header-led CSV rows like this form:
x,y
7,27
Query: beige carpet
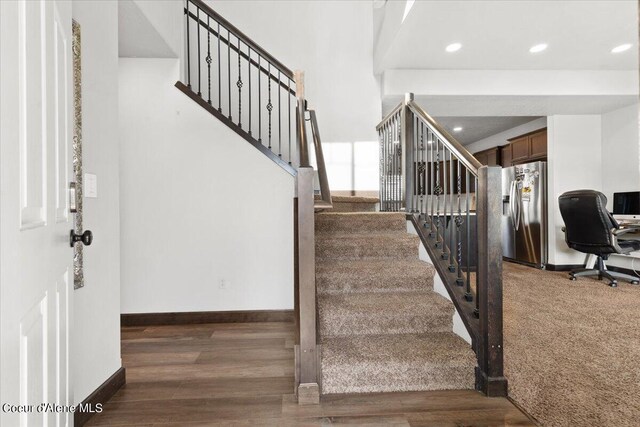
x,y
359,203
381,325
572,349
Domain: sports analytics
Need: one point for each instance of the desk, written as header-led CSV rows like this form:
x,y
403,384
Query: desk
x,y
631,235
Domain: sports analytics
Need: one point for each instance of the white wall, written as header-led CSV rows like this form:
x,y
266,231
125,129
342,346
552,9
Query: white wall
x,y
620,152
332,42
574,163
621,164
166,17
502,137
199,204
96,326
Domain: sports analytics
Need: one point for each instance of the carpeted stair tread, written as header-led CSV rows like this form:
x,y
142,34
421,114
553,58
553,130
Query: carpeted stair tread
x,y
349,222
383,313
357,276
381,325
366,246
405,362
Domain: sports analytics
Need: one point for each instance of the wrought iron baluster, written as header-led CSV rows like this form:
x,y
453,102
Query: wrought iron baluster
x,y
468,294
459,223
385,158
289,113
401,166
229,70
422,167
239,84
199,67
208,59
259,98
432,193
398,158
452,245
393,165
445,219
416,163
188,49
249,68
438,191
269,105
389,165
381,166
219,74
476,312
279,115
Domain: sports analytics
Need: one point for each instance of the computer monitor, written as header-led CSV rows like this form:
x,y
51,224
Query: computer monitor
x,y
626,205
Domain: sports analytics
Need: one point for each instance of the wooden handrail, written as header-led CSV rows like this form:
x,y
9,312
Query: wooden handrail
x,y
242,36
325,192
427,173
252,61
456,147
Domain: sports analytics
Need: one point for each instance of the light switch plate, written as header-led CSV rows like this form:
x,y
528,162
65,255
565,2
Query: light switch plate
x,y
90,185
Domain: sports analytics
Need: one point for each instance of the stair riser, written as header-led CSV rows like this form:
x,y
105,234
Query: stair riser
x,y
342,277
340,284
354,207
346,249
334,324
375,378
359,224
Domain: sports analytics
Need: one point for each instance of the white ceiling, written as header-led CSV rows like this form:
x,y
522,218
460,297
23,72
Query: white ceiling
x,y
532,106
498,35
477,128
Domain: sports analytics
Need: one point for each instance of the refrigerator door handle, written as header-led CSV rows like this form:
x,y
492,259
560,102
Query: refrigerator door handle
x,y
512,203
517,205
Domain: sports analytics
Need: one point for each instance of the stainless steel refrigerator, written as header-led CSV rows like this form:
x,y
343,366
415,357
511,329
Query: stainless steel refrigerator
x,y
524,213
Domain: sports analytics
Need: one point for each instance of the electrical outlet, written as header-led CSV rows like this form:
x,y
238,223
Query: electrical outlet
x,y
223,284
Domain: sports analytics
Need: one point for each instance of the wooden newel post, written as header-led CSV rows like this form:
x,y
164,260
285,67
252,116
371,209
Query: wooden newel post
x,y
490,371
306,349
308,390
406,140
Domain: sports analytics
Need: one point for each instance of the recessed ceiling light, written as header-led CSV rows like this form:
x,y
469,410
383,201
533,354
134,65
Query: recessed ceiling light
x,y
621,48
457,129
453,47
538,48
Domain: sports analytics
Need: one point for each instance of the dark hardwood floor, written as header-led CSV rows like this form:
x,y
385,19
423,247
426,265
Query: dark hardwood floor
x,y
242,374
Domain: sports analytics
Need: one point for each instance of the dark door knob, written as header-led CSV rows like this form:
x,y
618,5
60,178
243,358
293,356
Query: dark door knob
x,y
86,237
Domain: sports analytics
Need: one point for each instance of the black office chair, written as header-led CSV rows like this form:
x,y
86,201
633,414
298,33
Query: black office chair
x,y
591,229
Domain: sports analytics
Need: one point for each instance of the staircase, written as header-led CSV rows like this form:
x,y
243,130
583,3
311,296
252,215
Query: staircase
x,y
367,318
382,327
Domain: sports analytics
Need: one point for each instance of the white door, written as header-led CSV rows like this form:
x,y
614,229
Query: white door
x,y
36,275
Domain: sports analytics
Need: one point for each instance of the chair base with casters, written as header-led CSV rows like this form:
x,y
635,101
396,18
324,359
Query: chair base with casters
x,y
601,271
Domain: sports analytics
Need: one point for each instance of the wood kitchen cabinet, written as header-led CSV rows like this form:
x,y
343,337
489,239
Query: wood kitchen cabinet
x,y
519,149
525,148
505,156
538,145
490,157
